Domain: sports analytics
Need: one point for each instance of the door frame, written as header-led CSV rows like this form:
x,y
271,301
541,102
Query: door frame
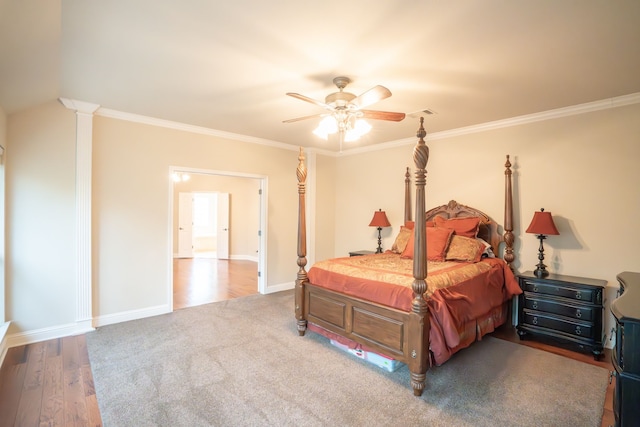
x,y
182,253
262,237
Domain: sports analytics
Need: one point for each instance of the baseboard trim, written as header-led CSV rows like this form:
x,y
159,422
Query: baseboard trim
x,y
70,329
233,257
243,258
281,287
4,346
125,316
44,334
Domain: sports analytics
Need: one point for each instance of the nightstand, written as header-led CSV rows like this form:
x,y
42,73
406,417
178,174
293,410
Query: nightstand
x,y
567,309
359,253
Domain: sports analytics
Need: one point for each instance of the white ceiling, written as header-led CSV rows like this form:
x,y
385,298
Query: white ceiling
x,y
227,65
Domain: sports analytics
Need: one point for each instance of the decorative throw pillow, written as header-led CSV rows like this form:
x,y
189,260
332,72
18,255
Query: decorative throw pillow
x,y
464,226
437,243
464,249
411,224
401,240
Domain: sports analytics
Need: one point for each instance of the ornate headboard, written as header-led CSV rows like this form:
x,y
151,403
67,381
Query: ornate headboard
x,y
488,230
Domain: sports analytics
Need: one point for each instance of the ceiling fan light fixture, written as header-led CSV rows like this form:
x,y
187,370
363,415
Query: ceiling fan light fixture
x,y
360,128
327,126
346,111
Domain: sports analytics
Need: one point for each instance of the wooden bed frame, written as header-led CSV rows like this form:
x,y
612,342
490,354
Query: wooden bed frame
x,y
401,335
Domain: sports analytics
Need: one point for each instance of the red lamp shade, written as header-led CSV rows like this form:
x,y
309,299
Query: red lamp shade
x,y
379,219
542,223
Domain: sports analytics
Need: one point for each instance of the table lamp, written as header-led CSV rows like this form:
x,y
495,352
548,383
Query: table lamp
x,y
542,225
379,220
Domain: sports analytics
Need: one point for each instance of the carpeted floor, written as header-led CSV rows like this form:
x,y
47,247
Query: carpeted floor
x,y
241,362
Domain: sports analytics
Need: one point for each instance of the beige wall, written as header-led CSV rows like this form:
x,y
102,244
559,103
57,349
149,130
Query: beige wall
x,y
131,202
131,230
365,183
583,169
324,204
40,218
244,206
3,143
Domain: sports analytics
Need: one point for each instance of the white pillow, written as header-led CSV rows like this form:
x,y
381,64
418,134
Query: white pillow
x,y
488,252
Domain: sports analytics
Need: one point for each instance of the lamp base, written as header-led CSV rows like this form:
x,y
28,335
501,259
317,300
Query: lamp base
x,y
540,272
541,269
379,250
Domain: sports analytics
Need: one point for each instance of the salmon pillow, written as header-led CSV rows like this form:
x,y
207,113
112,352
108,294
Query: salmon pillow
x,y
411,224
465,226
438,240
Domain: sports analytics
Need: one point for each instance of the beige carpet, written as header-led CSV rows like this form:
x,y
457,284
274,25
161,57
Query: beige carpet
x,y
242,363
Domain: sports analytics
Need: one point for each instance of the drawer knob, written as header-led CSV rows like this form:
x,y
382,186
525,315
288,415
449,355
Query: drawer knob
x,y
535,305
535,288
578,295
535,320
578,313
578,330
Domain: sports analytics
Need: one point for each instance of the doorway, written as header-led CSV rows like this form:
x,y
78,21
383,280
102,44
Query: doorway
x,y
203,225
220,206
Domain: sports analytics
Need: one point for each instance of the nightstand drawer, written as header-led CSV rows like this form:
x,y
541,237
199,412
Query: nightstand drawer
x,y
556,323
562,307
576,293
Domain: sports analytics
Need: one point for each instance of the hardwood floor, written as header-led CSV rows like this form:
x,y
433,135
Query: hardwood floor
x,y
50,383
199,281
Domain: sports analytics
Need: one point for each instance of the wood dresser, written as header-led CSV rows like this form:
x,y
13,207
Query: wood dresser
x,y
567,309
626,354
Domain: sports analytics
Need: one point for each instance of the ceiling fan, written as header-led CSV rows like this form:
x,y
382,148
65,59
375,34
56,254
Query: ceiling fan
x,y
345,111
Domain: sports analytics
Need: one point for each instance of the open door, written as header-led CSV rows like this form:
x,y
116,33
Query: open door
x,y
185,224
223,231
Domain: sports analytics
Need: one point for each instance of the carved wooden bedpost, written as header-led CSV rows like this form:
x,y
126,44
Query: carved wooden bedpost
x,y
508,257
407,196
302,279
418,364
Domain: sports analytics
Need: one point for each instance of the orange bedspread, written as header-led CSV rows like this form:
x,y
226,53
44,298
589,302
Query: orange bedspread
x,y
458,292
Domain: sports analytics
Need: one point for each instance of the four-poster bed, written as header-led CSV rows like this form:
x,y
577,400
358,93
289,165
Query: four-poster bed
x,y
388,304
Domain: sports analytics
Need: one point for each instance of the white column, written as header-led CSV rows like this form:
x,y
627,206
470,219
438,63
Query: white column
x,y
84,142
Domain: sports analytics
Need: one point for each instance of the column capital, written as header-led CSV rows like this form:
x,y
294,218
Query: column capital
x,y
79,106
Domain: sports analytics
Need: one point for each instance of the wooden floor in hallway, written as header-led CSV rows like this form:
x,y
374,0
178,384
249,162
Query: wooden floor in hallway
x,y
198,281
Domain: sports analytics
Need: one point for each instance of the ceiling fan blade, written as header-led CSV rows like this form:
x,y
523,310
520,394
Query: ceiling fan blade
x,y
373,95
303,118
311,100
382,115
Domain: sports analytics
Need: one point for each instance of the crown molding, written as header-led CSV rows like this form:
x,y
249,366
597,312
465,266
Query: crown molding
x,y
114,114
573,110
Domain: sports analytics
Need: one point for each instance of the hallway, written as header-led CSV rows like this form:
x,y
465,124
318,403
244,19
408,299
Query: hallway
x,y
199,281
